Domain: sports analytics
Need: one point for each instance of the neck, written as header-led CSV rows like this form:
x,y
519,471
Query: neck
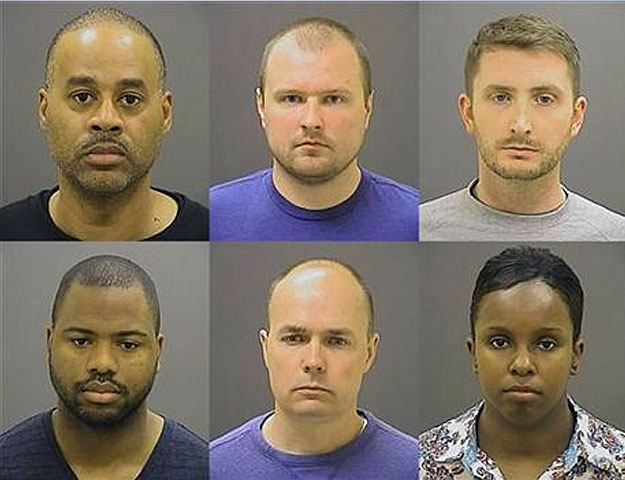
x,y
528,197
78,442
317,196
132,215
310,436
543,442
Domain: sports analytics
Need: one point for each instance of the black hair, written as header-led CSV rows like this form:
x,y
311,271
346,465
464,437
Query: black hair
x,y
108,271
522,264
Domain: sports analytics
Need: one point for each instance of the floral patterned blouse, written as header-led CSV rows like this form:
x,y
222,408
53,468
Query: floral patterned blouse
x,y
596,451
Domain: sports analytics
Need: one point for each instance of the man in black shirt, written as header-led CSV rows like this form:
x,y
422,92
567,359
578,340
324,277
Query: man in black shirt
x,y
105,110
103,348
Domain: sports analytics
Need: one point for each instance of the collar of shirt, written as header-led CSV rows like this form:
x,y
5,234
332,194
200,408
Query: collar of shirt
x,y
592,441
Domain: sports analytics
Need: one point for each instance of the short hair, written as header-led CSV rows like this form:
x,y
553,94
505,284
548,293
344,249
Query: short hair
x,y
315,33
108,271
523,264
526,32
361,282
99,16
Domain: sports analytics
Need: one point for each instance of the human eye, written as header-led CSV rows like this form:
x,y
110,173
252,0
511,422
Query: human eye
x,y
130,99
293,338
546,344
82,97
334,99
80,342
500,98
498,342
545,99
338,341
291,99
128,345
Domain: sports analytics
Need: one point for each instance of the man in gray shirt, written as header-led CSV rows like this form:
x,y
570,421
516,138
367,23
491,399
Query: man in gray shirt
x,y
523,105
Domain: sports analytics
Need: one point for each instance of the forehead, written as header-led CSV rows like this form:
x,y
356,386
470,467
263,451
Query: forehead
x,y
105,50
524,308
334,64
319,297
523,69
105,309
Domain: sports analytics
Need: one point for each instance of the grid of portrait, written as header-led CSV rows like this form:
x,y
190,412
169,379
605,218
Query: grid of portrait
x,y
318,240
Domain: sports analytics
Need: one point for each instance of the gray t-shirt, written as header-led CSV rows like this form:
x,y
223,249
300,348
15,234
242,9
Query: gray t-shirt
x,y
460,216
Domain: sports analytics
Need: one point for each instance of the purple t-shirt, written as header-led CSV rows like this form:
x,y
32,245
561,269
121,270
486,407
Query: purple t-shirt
x,y
380,452
252,209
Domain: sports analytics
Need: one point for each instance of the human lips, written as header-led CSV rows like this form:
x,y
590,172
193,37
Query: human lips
x,y
101,393
106,149
522,392
313,387
520,148
312,143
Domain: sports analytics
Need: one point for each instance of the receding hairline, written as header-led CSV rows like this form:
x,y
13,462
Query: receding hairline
x,y
315,34
99,17
332,264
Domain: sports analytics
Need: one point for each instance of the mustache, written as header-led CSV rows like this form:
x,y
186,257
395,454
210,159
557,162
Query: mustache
x,y
519,140
103,138
98,378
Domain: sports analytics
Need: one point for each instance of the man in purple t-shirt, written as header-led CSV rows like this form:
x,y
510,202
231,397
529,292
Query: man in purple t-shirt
x,y
318,344
314,100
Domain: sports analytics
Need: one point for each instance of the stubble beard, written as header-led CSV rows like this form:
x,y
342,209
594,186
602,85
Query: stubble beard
x,y
102,185
549,159
111,419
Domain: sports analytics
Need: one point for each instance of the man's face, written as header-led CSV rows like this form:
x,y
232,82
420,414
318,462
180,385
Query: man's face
x,y
522,112
104,113
317,351
103,353
313,108
523,352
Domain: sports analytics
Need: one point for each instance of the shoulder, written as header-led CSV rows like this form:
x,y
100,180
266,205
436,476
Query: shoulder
x,y
393,444
446,202
241,184
25,449
26,219
388,185
233,439
191,222
180,454
449,439
609,223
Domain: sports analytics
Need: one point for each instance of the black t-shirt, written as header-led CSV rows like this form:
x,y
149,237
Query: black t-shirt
x,y
30,220
29,451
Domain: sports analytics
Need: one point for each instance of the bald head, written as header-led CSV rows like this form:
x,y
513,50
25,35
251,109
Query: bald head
x,y
321,281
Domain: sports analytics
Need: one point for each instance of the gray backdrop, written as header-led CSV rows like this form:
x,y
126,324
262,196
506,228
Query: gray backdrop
x,y
27,28
239,32
30,274
595,163
242,273
448,386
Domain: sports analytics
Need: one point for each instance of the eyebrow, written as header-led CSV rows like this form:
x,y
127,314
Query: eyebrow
x,y
330,331
120,333
540,88
86,80
539,330
291,91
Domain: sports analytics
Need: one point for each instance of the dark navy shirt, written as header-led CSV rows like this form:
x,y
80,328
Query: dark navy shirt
x,y
29,451
29,220
252,209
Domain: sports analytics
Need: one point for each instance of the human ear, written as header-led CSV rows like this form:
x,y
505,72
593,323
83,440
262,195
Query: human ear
x,y
465,108
579,113
260,106
42,108
578,350
471,347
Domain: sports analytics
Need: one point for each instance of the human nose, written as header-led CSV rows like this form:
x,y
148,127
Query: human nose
x,y
521,123
314,359
102,359
311,116
522,363
106,118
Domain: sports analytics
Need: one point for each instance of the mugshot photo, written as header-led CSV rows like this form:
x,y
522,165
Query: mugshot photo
x,y
104,344
518,334
99,109
520,136
323,347
314,122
